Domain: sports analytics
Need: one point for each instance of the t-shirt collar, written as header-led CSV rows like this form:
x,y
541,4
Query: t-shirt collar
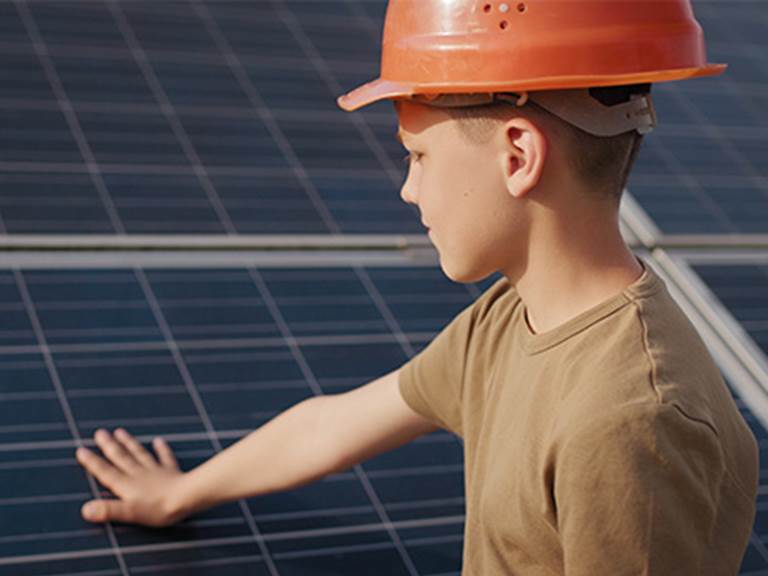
x,y
647,283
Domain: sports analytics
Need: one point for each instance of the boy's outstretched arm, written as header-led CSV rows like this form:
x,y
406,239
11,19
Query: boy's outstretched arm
x,y
312,439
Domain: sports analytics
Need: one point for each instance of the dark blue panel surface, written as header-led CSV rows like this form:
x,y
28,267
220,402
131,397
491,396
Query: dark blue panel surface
x,y
209,117
703,171
743,289
108,361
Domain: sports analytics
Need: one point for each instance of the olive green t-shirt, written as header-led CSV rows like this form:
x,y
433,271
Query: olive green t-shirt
x,y
609,445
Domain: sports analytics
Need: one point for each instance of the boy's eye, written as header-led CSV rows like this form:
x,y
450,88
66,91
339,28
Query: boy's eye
x,y
415,156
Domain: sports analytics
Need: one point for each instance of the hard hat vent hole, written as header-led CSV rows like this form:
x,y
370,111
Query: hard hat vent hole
x,y
521,7
487,8
503,24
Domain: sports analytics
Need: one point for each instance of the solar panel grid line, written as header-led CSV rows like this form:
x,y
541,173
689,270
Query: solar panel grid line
x,y
224,434
65,105
713,241
170,169
757,542
398,242
229,344
384,310
126,550
265,114
314,56
191,110
78,497
227,561
64,404
170,114
171,54
273,537
314,385
200,407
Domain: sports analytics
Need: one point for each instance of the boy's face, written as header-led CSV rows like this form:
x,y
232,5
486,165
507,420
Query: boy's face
x,y
461,190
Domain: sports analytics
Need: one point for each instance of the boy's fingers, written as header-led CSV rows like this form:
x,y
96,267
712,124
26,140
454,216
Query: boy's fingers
x,y
164,453
102,470
114,451
134,447
106,511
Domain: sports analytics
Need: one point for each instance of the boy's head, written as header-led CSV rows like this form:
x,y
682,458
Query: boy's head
x,y
513,150
483,177
600,164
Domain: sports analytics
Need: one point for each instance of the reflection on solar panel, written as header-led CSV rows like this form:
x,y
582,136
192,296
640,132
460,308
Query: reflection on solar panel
x,y
218,117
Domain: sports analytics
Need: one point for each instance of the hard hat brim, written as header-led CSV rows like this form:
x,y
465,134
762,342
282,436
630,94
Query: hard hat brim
x,y
381,89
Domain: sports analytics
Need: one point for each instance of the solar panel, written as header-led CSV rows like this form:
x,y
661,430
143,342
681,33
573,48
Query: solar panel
x,y
93,348
743,290
218,117
107,361
169,117
703,171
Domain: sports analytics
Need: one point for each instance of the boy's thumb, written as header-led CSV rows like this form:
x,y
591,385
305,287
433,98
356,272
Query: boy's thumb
x,y
91,510
108,510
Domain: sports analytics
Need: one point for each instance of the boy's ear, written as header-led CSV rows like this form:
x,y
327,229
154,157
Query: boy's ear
x,y
525,151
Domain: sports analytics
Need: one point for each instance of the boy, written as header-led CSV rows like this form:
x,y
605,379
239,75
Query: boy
x,y
599,436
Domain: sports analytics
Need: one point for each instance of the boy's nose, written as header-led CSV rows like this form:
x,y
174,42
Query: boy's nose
x,y
406,193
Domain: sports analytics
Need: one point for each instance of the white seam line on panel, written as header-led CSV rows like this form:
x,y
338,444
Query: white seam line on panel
x,y
314,56
199,406
178,169
306,370
169,56
381,305
66,409
142,60
394,325
212,343
67,110
264,113
232,540
171,437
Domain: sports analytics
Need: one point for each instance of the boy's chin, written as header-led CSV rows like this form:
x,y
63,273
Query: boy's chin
x,y
463,275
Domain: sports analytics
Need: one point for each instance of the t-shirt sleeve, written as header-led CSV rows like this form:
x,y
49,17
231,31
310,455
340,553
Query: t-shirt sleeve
x,y
636,492
432,381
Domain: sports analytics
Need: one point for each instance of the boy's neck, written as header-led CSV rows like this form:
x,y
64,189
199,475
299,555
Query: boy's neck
x,y
572,271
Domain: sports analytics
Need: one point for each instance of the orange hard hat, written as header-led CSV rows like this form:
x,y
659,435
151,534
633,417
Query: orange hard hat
x,y
433,47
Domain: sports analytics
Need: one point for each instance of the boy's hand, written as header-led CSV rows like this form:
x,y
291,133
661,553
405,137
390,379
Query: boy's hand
x,y
143,485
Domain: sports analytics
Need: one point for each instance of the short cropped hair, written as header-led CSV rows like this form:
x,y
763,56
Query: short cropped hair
x,y
603,163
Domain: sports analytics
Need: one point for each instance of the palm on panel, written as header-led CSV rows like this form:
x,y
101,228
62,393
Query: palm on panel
x,y
141,482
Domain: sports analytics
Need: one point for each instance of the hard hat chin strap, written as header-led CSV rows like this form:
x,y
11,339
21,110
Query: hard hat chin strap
x,y
575,106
